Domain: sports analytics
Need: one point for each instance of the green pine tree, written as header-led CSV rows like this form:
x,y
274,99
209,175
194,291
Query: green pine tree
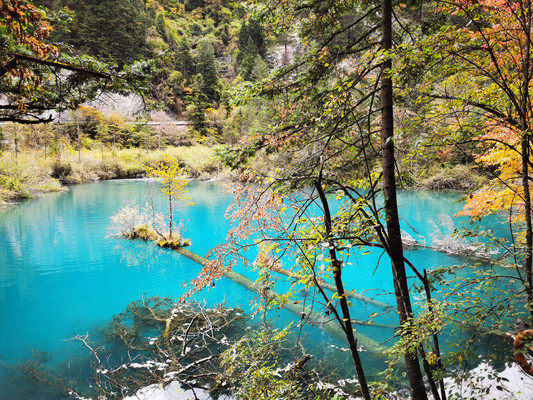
x,y
184,59
207,68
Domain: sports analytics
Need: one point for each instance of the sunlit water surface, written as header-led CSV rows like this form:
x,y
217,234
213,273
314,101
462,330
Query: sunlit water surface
x,y
61,276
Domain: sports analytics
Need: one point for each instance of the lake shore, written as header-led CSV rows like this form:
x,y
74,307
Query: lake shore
x,y
31,174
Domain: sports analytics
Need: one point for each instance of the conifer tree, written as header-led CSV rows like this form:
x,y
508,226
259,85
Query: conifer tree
x,y
252,43
207,68
112,30
184,59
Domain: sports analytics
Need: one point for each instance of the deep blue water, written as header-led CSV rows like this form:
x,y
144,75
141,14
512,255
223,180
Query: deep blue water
x,y
60,276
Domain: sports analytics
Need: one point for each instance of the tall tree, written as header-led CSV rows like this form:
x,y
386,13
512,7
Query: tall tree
x,y
325,135
35,78
184,59
252,44
112,30
393,244
207,68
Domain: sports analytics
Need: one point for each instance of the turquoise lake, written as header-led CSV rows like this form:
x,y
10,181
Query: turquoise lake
x,y
61,276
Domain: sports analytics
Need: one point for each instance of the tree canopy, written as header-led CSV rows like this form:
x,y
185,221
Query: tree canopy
x,y
36,79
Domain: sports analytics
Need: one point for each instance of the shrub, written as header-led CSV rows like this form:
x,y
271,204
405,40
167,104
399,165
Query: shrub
x,y
145,233
458,177
61,171
25,177
132,222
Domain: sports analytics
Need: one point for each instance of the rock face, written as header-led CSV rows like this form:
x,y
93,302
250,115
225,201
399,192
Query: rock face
x,y
130,105
108,103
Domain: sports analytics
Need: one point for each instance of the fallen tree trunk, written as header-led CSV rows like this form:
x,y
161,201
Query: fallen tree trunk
x,y
332,288
371,347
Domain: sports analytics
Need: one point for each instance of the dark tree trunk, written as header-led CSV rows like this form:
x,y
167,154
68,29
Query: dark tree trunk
x,y
394,245
346,321
526,150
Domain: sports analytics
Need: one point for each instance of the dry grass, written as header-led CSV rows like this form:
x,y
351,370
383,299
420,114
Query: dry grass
x,y
31,173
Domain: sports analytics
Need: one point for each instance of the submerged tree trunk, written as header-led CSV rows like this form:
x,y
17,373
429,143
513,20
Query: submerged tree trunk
x,y
394,245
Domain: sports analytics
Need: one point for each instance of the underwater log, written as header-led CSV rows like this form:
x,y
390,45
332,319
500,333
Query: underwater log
x,y
332,288
371,347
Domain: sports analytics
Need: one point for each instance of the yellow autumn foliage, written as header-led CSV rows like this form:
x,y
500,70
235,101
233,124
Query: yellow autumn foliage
x,y
173,178
505,191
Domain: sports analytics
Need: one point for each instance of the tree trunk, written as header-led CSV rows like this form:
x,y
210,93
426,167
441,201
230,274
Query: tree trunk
x,y
525,150
79,137
171,217
346,321
394,245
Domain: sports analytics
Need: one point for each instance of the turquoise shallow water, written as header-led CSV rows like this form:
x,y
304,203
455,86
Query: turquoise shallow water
x,y
60,276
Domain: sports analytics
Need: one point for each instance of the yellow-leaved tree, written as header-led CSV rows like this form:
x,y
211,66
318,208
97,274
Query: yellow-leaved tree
x,y
173,180
505,191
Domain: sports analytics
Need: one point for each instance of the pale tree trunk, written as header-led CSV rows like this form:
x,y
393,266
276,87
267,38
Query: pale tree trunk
x,y
171,217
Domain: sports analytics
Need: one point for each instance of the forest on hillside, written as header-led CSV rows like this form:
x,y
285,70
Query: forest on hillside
x,y
320,112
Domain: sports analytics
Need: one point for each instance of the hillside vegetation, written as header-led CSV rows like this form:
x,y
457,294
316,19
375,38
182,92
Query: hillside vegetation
x,y
197,51
201,57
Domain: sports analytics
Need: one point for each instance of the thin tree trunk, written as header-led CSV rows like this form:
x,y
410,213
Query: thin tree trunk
x,y
436,345
525,149
170,220
529,230
346,323
401,289
79,137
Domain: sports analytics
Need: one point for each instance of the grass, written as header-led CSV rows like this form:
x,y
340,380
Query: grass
x,y
31,173
25,177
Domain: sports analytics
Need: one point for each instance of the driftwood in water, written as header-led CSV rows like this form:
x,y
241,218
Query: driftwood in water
x,y
371,346
332,288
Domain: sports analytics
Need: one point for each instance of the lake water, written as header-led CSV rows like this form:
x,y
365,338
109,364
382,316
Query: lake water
x,y
60,276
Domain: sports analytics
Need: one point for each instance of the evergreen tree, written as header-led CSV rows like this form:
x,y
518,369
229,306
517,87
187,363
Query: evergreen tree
x,y
252,39
252,43
257,33
207,68
113,30
194,4
184,59
260,69
160,25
